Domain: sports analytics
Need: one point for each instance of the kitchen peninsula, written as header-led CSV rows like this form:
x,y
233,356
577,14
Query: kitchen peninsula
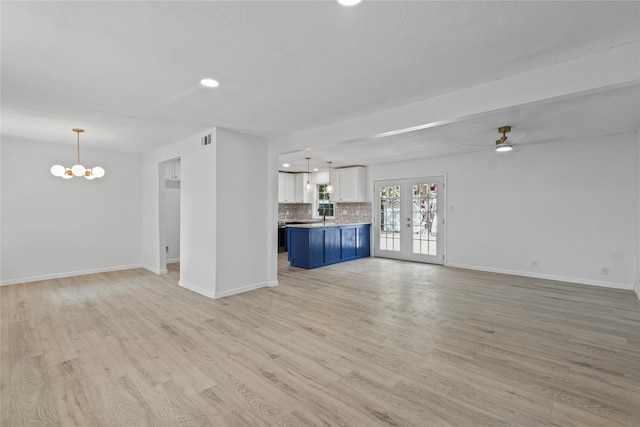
x,y
319,244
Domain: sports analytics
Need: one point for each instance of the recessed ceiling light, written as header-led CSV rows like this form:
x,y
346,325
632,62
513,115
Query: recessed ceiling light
x,y
209,83
315,170
285,165
349,2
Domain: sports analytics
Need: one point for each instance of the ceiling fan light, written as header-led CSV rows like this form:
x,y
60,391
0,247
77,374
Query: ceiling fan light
x,y
504,147
57,170
97,171
209,83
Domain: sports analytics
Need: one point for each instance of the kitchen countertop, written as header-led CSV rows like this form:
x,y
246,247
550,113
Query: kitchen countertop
x,y
326,224
299,221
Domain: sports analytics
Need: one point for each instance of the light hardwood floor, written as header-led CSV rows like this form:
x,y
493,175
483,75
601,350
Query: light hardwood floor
x,y
371,342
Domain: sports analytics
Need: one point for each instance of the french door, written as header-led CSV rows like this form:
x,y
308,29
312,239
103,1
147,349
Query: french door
x,y
409,220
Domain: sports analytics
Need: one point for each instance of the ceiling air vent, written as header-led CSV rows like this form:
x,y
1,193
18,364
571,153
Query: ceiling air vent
x,y
205,141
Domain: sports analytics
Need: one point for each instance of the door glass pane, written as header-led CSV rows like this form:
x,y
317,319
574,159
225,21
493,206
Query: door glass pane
x,y
425,221
390,218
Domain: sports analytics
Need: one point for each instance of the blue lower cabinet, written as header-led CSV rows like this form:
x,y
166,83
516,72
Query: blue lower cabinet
x,y
312,247
363,246
332,245
348,240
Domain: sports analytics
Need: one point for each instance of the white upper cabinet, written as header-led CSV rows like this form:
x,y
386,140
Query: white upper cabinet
x,y
286,187
291,188
351,185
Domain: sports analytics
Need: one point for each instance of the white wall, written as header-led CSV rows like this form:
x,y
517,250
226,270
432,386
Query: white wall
x,y
197,212
223,209
636,288
274,148
198,215
55,228
242,204
572,206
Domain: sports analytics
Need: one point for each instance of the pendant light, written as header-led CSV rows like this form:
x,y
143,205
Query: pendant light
x,y
329,186
77,169
308,187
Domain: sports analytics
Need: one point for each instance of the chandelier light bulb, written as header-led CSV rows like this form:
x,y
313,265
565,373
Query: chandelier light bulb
x,y
97,171
67,174
78,170
57,170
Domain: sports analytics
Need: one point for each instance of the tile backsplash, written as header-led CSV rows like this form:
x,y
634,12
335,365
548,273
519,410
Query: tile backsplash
x,y
344,212
353,212
294,211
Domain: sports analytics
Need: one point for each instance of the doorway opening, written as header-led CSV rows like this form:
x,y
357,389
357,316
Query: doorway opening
x,y
169,200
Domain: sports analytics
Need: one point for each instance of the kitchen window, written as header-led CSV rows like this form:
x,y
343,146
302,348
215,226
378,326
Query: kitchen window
x,y
325,205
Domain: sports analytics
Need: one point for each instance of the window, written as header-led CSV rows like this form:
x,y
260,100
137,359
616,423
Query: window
x,y
325,205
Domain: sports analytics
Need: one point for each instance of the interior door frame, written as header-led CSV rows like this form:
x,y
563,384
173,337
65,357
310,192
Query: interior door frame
x,y
405,253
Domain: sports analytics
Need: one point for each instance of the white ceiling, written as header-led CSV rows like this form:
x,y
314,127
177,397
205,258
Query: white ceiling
x,y
607,112
128,72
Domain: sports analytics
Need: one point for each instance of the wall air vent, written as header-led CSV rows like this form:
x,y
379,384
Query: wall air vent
x,y
205,141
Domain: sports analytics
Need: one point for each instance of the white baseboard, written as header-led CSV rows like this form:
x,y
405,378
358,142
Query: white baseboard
x,y
173,260
68,274
636,289
614,285
241,289
155,270
196,289
216,295
272,284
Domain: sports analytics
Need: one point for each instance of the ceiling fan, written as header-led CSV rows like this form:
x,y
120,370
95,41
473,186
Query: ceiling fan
x,y
501,143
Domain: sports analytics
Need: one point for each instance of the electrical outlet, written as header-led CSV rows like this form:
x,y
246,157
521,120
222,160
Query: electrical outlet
x,y
534,263
604,271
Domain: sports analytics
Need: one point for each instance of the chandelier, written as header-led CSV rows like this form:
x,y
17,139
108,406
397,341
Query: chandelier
x,y
77,169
